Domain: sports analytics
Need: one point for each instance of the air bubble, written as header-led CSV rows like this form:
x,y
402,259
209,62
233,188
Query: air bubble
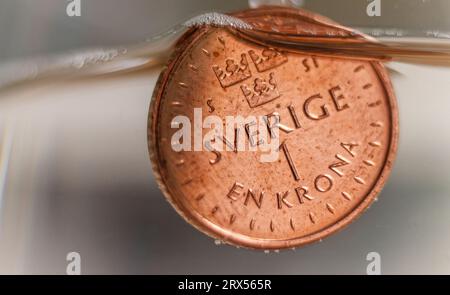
x,y
217,19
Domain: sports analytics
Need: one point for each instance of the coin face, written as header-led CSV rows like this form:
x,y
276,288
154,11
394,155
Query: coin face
x,y
337,139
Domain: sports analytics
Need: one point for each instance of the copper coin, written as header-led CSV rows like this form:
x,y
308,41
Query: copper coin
x,y
338,137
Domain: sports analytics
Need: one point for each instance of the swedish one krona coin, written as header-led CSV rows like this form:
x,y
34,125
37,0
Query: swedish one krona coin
x,y
338,131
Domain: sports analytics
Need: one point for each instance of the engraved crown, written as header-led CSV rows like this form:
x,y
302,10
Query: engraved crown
x,y
261,92
233,73
270,59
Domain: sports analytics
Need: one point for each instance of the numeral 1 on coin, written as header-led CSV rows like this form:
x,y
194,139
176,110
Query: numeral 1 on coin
x,y
291,163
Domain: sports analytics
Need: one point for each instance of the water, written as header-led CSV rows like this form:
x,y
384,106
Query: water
x,y
424,47
74,167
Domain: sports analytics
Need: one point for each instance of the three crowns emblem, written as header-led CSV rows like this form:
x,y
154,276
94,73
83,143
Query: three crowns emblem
x,y
262,90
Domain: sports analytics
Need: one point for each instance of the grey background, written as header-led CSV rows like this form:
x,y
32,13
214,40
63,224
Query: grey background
x,y
81,179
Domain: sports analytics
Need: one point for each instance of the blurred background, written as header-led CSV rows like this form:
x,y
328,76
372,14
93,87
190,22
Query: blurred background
x,y
75,174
